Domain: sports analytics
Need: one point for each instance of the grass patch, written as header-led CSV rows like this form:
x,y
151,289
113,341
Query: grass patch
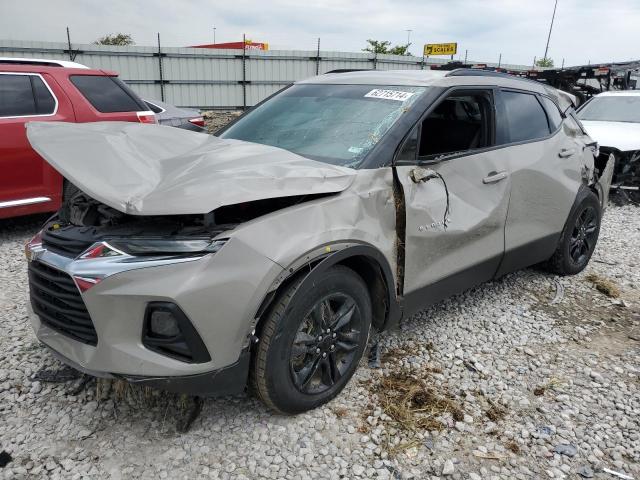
x,y
414,404
604,285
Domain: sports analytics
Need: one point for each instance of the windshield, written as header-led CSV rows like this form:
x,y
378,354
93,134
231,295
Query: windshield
x,y
337,124
623,108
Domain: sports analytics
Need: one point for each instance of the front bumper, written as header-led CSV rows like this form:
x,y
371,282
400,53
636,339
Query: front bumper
x,y
219,293
229,380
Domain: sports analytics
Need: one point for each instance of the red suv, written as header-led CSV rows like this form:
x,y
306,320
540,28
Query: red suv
x,y
51,90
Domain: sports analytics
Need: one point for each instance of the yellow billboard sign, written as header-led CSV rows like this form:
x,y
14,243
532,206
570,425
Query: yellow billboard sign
x,y
440,49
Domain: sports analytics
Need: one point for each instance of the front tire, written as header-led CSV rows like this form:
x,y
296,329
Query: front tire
x,y
312,341
579,237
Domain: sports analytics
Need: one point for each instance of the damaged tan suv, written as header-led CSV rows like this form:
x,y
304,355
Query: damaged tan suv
x,y
266,255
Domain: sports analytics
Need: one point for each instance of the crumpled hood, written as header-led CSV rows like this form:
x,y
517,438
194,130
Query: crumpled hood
x,y
155,170
621,135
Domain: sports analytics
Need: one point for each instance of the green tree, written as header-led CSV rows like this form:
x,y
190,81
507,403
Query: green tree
x,y
400,50
377,46
383,46
120,39
544,62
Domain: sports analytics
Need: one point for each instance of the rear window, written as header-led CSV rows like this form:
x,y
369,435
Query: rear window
x,y
526,119
24,95
107,94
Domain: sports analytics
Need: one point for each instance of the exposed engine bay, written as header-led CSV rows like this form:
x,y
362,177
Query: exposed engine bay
x,y
83,221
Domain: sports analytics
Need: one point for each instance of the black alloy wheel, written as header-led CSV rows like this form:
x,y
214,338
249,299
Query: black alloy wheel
x,y
326,343
584,235
311,340
579,237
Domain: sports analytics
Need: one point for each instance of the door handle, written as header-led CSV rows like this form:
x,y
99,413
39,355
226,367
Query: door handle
x,y
494,177
566,152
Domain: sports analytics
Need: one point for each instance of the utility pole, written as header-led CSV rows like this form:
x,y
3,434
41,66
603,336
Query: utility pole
x,y
500,61
214,35
546,50
408,39
69,42
160,69
465,56
318,58
244,71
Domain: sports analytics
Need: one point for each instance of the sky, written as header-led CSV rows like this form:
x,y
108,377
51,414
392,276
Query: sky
x,y
584,30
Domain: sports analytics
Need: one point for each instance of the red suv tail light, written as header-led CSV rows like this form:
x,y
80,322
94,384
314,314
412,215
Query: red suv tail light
x,y
147,117
199,121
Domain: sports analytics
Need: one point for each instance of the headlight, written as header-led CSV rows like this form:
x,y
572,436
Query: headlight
x,y
155,246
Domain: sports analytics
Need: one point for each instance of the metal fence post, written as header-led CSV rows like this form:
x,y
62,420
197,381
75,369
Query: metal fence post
x,y
244,71
69,43
160,68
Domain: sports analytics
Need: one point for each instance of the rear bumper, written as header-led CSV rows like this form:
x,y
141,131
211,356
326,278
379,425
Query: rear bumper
x,y
230,380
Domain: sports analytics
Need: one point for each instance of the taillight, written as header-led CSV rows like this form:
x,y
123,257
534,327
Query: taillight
x,y
147,117
199,121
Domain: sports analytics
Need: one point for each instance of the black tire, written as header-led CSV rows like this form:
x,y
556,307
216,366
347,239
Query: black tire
x,y
291,344
579,237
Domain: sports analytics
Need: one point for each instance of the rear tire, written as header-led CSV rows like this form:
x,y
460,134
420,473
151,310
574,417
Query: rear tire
x,y
312,341
579,237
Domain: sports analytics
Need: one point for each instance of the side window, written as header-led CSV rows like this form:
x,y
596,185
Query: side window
x,y
525,117
45,103
23,95
461,122
553,113
16,96
107,94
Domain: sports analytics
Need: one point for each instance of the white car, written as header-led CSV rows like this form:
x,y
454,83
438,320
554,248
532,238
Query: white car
x,y
613,120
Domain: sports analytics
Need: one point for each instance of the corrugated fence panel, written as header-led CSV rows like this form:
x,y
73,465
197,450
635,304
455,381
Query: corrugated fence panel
x,y
206,78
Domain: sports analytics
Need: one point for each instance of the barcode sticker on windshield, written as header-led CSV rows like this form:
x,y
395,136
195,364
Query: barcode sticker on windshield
x,y
389,94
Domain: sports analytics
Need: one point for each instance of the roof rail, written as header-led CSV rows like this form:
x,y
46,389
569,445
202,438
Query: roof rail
x,y
473,72
46,62
476,72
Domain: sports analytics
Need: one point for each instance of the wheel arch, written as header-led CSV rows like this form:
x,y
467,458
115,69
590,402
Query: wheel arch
x,y
365,260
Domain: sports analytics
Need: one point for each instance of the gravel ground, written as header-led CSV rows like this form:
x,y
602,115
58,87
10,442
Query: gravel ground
x,y
509,377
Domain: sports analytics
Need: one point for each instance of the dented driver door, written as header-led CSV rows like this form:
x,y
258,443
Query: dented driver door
x,y
447,252
467,249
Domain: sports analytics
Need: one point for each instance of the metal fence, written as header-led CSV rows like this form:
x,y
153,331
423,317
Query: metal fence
x,y
210,78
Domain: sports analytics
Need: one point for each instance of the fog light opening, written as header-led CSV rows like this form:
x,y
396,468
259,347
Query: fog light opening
x,y
163,324
168,331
